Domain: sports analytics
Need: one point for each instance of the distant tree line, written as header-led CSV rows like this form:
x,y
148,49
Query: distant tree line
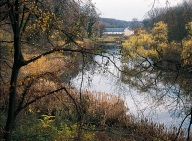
x,y
114,23
175,17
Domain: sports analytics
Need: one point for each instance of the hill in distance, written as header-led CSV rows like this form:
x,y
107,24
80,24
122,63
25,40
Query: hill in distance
x,y
114,23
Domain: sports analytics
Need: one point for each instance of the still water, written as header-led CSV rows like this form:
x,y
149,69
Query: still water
x,y
105,77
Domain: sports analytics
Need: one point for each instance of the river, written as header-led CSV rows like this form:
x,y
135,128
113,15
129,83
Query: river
x,y
106,77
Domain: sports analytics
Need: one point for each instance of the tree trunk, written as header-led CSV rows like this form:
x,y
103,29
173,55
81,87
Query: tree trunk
x,y
18,60
12,97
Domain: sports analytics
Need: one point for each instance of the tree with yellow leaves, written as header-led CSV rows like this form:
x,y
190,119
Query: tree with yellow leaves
x,y
152,53
154,45
187,46
34,24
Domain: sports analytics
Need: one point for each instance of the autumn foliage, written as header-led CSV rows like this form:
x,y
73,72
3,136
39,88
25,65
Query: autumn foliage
x,y
155,45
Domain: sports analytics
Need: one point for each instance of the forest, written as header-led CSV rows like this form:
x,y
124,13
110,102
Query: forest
x,y
113,23
45,45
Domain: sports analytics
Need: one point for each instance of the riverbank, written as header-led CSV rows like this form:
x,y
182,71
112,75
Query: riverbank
x,y
74,112
103,117
111,39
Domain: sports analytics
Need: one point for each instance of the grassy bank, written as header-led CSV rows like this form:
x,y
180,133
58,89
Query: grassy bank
x,y
103,117
111,39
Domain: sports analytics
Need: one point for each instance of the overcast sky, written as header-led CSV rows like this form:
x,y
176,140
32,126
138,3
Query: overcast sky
x,y
127,9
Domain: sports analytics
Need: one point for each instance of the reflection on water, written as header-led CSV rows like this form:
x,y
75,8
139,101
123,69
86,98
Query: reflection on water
x,y
105,77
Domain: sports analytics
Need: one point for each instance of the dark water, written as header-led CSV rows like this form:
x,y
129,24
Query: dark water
x,y
107,78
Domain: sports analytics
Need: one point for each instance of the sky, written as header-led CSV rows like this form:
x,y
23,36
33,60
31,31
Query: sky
x,y
128,9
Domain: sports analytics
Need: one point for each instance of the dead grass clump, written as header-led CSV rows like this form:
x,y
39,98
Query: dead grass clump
x,y
107,109
149,131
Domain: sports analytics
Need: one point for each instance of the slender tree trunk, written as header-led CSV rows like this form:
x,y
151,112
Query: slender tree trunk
x,y
18,60
12,98
79,130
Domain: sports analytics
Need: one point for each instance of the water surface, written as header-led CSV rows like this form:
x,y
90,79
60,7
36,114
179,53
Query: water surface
x,y
107,78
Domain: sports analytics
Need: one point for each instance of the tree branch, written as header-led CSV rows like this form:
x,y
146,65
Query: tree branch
x,y
7,41
26,89
52,51
22,19
73,99
181,126
25,24
188,136
39,97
